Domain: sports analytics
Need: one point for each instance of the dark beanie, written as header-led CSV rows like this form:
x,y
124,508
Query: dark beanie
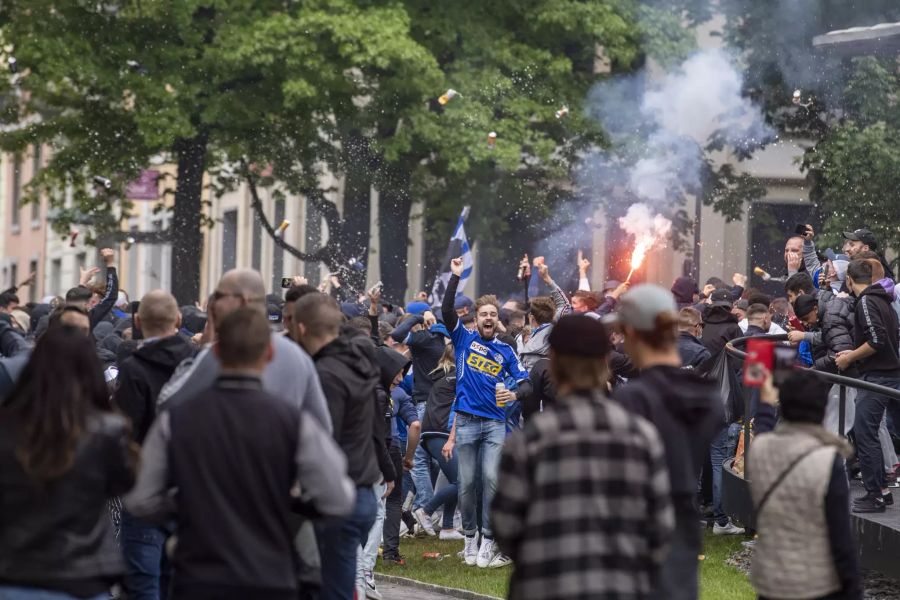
x,y
684,289
579,335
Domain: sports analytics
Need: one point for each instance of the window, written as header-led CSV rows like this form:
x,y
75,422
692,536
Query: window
x,y
36,168
13,274
56,277
33,288
133,288
229,240
16,193
256,254
277,251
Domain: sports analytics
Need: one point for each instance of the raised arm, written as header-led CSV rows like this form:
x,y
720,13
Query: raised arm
x,y
448,312
112,289
556,293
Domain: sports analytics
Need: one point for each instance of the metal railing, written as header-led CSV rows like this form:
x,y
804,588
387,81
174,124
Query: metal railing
x,y
841,380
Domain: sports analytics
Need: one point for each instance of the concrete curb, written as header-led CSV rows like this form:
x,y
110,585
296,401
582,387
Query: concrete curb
x,y
430,587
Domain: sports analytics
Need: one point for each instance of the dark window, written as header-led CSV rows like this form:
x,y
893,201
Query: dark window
x,y
277,252
37,163
229,240
16,191
33,288
256,258
13,275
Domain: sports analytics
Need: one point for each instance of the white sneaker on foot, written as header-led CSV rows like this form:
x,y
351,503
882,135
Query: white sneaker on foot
x,y
470,552
486,553
501,560
451,534
728,528
372,592
424,521
404,530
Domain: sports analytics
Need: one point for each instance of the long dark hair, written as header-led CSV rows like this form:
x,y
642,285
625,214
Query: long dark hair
x,y
60,386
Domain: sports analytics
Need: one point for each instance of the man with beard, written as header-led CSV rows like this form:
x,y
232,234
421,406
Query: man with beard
x,y
484,364
686,411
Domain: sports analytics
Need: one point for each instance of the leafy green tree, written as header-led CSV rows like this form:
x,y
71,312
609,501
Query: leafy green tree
x,y
848,107
204,84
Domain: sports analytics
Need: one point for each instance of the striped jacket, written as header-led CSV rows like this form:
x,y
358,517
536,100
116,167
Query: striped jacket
x,y
583,504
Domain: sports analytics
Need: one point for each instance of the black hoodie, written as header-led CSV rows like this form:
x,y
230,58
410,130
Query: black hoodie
x,y
876,323
142,376
719,328
349,373
686,411
436,421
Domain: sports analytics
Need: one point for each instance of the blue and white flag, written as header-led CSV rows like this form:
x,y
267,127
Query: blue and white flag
x,y
458,247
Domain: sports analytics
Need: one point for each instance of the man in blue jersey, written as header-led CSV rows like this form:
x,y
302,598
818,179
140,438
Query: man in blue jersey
x,y
479,429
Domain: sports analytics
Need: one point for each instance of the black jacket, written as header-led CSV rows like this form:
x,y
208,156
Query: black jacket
x,y
232,457
60,537
425,348
692,351
836,318
686,411
543,394
349,372
876,323
719,328
143,375
436,421
390,362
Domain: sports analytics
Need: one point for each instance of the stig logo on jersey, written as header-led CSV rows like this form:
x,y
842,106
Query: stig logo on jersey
x,y
480,364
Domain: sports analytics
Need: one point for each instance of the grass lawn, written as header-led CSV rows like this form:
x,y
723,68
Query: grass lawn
x,y
718,581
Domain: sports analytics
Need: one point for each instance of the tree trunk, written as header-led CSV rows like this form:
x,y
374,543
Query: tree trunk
x,y
187,239
354,242
394,204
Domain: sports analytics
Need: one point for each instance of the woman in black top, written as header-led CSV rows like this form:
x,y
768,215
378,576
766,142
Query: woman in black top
x,y
436,426
63,454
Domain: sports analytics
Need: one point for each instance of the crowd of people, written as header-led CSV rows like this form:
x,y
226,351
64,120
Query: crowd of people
x,y
273,446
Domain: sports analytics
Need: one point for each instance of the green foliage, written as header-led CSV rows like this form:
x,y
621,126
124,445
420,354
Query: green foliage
x,y
853,121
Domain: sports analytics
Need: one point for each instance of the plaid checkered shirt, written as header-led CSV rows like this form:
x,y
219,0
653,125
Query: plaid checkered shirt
x,y
583,504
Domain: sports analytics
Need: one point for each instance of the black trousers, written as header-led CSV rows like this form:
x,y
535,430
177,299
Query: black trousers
x,y
394,508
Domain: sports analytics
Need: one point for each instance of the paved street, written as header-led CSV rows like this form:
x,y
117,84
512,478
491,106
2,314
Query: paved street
x,y
392,591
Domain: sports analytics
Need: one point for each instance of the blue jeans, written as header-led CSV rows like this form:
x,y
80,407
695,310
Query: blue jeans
x,y
474,434
449,494
12,592
722,449
870,408
147,570
421,471
339,543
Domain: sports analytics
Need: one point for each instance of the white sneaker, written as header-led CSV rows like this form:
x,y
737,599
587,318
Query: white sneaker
x,y
372,592
404,530
424,521
486,553
728,528
501,560
470,552
451,534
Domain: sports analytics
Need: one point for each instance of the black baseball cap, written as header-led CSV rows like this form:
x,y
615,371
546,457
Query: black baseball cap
x,y
721,297
862,235
579,335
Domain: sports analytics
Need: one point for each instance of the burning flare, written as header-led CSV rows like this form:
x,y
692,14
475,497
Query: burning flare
x,y
638,255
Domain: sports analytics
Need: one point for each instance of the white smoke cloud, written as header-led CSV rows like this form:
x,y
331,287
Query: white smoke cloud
x,y
645,224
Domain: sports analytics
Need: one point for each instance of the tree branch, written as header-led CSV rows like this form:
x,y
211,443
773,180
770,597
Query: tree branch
x,y
257,206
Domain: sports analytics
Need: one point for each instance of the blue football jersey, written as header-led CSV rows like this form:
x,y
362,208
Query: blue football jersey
x,y
480,364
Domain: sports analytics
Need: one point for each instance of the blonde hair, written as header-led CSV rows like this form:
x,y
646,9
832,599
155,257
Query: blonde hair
x,y
447,361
